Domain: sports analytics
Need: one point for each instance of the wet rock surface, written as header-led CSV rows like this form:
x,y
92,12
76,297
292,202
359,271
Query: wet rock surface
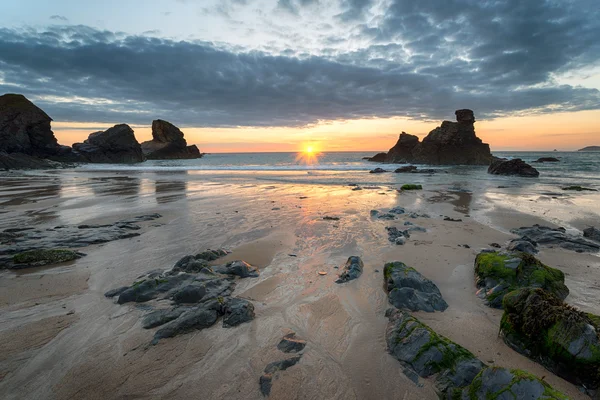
x,y
168,143
557,237
291,344
351,270
24,161
498,273
115,145
541,326
38,258
63,237
408,289
288,344
199,295
457,373
516,166
592,233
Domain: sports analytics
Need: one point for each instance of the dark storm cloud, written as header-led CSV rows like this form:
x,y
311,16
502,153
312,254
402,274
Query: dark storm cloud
x,y
427,60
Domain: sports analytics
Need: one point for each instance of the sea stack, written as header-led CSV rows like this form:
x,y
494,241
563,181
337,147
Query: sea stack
x,y
168,143
115,145
452,143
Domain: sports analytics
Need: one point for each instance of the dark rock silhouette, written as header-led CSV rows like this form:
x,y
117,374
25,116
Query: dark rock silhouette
x,y
168,143
516,166
547,159
590,148
114,145
452,143
25,128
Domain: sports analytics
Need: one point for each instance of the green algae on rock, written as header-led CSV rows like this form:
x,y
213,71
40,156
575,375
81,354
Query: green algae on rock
x,y
499,273
501,383
41,257
563,339
410,186
407,288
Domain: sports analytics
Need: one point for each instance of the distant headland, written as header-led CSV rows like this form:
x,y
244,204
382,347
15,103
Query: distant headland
x,y
590,148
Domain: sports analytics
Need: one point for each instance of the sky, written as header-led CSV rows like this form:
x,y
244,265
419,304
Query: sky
x,y
278,75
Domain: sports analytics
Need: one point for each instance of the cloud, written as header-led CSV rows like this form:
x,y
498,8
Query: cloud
x,y
422,60
59,18
354,9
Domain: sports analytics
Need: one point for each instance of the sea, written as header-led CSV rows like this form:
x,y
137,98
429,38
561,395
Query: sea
x,y
334,168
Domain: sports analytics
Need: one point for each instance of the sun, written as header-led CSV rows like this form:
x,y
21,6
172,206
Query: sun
x,y
309,155
309,150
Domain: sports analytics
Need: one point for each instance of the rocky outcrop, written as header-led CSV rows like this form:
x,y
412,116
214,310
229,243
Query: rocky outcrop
x,y
547,159
168,143
352,269
497,274
556,237
23,247
516,166
452,143
408,289
115,145
379,157
199,295
24,161
541,326
25,128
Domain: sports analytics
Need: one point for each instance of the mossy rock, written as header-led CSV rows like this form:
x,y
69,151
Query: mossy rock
x,y
410,186
563,339
500,273
501,383
40,257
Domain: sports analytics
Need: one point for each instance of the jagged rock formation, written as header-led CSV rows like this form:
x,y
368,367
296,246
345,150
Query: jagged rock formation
x,y
25,128
516,166
452,143
114,145
168,143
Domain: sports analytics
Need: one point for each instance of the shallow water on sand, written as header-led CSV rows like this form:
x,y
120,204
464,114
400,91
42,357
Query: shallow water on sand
x,y
93,348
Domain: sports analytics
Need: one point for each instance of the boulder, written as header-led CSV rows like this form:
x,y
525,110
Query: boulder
x,y
408,168
25,128
408,289
114,145
592,233
452,143
497,274
502,383
168,143
541,326
379,157
557,237
352,270
237,311
516,166
377,171
41,257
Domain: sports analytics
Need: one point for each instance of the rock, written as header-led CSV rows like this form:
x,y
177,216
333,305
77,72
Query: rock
x,y
590,148
65,237
160,317
379,157
408,289
168,143
237,311
352,269
410,186
329,218
558,237
592,233
524,245
417,346
194,319
541,326
408,168
189,294
497,274
238,268
25,128
377,171
402,151
115,145
547,159
397,236
290,344
516,166
40,257
495,245
397,210
24,161
400,240
579,189
266,380
452,219
502,383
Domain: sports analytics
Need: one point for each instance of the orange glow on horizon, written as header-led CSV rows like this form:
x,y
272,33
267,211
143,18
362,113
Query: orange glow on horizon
x,y
562,131
309,155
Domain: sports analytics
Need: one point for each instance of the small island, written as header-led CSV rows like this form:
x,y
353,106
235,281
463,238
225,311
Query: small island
x,y
590,148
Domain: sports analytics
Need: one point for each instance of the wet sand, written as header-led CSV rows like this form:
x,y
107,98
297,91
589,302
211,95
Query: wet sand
x,y
80,344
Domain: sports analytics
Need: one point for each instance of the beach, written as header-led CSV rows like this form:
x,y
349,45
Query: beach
x,y
80,344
